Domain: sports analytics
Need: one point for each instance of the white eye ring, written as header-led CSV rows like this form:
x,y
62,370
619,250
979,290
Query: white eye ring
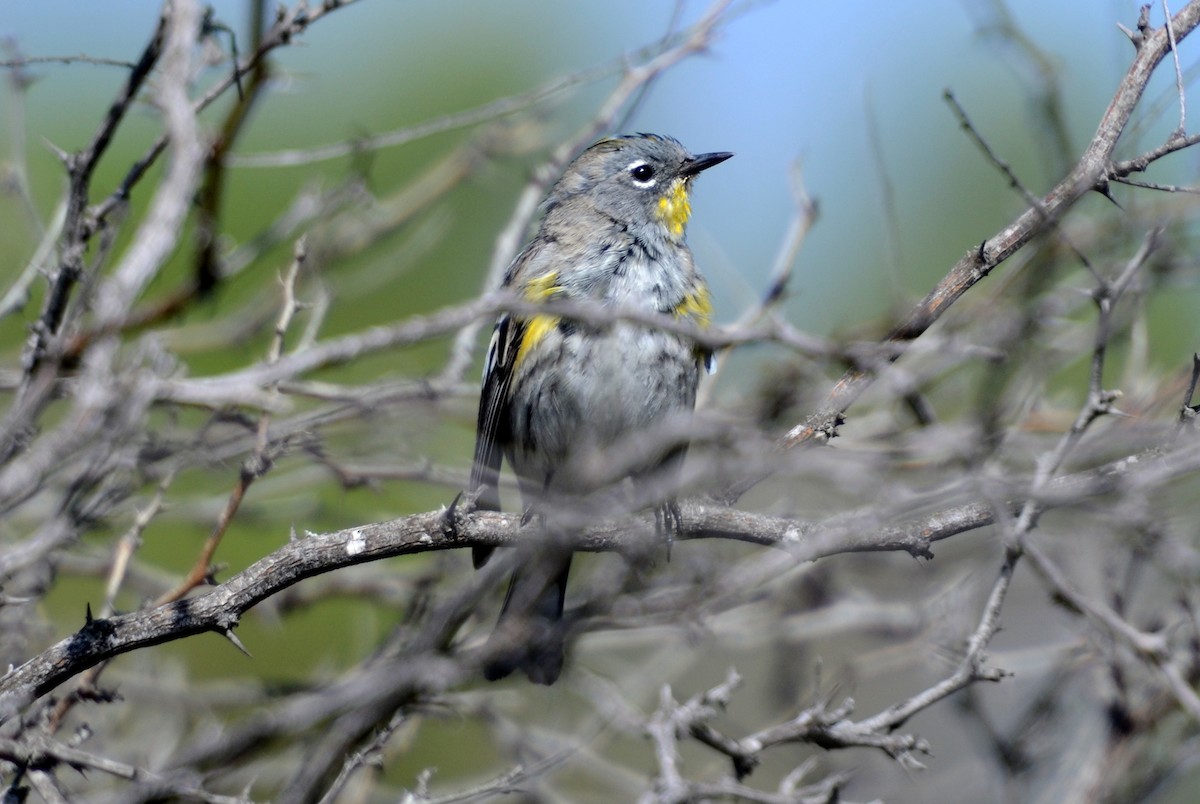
x,y
641,173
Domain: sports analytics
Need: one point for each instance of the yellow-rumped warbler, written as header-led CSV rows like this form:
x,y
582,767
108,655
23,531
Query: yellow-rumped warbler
x,y
558,392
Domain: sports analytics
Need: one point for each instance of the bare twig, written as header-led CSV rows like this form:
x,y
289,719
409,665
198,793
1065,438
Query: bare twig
x,y
264,454
25,61
1181,129
44,752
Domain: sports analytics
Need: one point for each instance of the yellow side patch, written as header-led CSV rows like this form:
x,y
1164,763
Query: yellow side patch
x,y
674,208
539,288
536,329
697,305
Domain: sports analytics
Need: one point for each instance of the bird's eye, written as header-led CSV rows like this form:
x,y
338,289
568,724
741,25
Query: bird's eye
x,y
642,173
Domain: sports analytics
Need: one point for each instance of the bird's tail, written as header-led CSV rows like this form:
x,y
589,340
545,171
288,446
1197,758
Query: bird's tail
x,y
530,634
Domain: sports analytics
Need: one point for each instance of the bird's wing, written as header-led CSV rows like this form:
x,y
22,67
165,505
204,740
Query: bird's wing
x,y
491,429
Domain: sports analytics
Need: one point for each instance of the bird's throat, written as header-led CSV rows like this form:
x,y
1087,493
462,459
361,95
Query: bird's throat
x,y
674,208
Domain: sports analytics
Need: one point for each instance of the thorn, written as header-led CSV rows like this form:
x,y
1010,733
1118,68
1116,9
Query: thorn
x,y
59,153
237,643
450,515
87,617
1106,191
981,255
292,537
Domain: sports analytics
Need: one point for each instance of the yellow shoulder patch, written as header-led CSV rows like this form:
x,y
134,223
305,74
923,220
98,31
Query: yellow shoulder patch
x,y
540,288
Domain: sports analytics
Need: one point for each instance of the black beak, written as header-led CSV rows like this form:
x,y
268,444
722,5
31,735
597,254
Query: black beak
x,y
703,162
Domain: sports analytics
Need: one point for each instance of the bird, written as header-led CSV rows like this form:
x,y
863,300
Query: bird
x,y
558,392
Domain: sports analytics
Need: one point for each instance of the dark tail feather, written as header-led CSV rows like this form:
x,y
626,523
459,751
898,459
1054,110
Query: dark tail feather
x,y
529,634
480,555
488,500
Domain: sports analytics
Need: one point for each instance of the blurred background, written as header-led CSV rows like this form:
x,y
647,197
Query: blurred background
x,y
852,93
846,98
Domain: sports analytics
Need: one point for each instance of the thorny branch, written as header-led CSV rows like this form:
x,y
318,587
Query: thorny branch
x,y
220,610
